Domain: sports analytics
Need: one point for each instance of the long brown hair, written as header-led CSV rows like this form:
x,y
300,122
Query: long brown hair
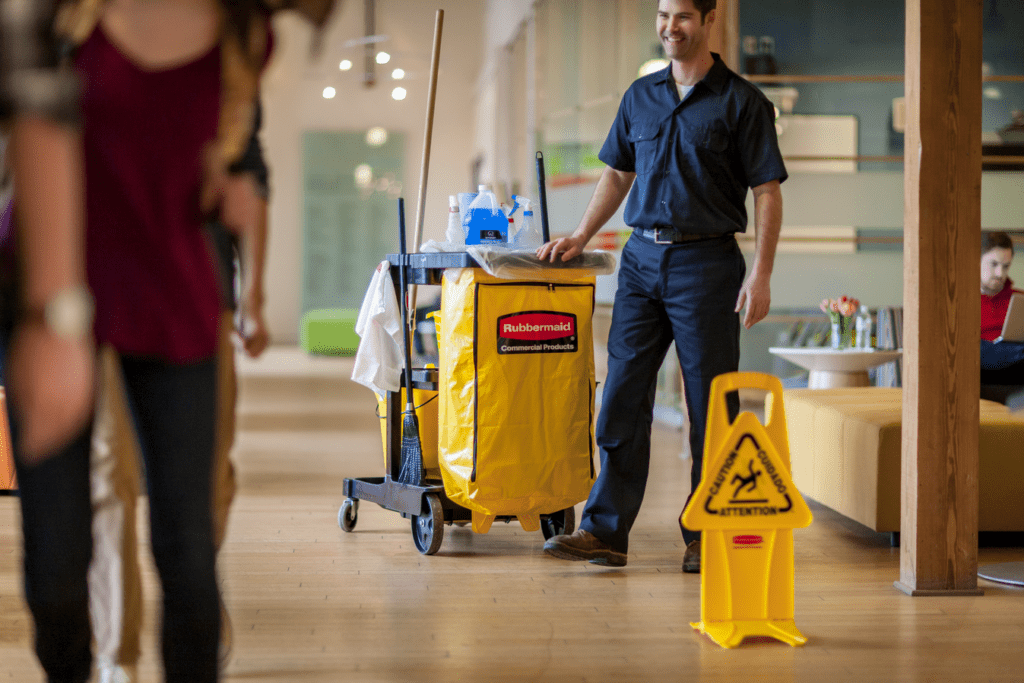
x,y
244,18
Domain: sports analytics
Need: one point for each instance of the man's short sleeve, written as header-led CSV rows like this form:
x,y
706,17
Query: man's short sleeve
x,y
617,150
759,145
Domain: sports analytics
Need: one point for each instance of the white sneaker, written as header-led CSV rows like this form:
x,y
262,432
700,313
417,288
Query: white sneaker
x,y
116,674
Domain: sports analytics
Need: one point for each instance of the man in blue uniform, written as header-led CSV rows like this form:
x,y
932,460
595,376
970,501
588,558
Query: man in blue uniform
x,y
694,138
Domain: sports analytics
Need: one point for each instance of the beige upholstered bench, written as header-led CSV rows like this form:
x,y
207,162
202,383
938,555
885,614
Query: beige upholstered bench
x,y
845,449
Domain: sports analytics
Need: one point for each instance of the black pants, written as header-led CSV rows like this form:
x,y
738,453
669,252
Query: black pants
x,y
174,408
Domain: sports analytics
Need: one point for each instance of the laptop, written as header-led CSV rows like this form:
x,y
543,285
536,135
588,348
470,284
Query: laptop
x,y
1013,324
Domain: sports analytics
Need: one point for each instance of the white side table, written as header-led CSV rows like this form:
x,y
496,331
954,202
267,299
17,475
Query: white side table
x,y
833,368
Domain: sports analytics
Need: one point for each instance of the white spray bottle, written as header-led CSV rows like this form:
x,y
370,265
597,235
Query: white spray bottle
x,y
528,236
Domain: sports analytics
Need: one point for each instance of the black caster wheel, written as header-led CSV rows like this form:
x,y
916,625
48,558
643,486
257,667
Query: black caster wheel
x,y
563,522
428,529
348,514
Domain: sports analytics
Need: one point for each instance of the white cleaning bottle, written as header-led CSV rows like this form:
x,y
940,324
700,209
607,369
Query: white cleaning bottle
x,y
527,237
454,234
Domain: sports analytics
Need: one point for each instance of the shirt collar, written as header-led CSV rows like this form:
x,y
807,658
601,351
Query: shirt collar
x,y
714,79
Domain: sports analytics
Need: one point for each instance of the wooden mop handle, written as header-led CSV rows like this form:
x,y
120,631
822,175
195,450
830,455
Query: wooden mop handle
x,y
421,199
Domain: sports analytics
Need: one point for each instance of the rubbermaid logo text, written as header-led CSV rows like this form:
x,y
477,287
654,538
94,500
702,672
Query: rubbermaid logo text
x,y
537,332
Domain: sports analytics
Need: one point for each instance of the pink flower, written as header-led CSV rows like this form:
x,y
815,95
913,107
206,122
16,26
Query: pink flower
x,y
844,307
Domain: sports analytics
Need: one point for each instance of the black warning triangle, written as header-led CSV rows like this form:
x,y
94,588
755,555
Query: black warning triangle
x,y
746,485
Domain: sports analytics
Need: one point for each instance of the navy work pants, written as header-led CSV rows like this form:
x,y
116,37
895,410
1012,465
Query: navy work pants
x,y
680,292
173,407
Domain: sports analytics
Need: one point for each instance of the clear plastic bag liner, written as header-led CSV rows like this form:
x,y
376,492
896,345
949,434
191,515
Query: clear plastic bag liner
x,y
434,247
509,264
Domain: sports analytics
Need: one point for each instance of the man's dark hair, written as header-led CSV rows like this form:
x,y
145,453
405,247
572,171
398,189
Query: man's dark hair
x,y
704,6
995,240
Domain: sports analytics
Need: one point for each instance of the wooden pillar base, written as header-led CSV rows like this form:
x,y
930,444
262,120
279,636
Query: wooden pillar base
x,y
917,592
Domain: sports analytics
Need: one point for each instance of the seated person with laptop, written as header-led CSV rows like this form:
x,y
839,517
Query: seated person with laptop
x,y
1002,314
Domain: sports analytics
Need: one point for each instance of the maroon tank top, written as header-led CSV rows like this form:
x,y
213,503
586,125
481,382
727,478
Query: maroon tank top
x,y
148,259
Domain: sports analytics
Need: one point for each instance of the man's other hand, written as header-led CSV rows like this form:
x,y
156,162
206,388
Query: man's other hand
x,y
756,296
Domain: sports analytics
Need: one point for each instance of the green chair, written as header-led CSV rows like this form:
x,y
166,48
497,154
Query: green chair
x,y
329,332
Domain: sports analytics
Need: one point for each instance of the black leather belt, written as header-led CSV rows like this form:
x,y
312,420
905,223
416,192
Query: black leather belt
x,y
673,236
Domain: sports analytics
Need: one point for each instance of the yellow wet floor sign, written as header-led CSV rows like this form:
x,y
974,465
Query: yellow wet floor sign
x,y
747,507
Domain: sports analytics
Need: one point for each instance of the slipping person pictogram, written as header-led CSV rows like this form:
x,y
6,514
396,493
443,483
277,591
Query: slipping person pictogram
x,y
749,482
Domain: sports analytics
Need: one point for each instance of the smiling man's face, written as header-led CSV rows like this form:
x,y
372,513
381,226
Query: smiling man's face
x,y
681,30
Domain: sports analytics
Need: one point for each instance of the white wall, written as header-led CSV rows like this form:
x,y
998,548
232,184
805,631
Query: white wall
x,y
293,104
503,19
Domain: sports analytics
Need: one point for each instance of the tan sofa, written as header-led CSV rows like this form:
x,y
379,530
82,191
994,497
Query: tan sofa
x,y
845,446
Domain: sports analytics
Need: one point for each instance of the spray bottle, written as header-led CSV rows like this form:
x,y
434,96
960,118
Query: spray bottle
x,y
527,237
454,234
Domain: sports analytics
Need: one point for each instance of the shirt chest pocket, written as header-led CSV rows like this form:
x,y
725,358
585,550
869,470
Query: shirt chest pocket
x,y
646,137
711,138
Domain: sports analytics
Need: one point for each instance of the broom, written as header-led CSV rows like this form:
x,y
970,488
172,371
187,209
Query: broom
x,y
412,451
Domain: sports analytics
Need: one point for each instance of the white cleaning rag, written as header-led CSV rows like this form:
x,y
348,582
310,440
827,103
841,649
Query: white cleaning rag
x,y
379,360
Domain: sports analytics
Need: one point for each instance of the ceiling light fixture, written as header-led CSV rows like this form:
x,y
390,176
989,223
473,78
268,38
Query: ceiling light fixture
x,y
329,93
376,136
398,74
363,175
345,64
383,58
399,93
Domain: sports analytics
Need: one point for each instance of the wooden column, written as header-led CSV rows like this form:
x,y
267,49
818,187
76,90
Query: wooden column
x,y
724,37
941,276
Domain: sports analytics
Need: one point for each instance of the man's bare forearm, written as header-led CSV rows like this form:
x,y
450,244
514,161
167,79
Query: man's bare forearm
x,y
611,189
767,226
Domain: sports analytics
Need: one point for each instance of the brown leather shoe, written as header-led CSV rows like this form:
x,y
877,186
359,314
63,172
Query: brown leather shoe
x,y
583,545
691,558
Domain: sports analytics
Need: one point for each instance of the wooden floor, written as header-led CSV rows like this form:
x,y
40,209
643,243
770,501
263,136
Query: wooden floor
x,y
312,603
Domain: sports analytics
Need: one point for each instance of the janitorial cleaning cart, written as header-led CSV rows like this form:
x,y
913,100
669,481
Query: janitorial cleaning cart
x,y
510,432
514,399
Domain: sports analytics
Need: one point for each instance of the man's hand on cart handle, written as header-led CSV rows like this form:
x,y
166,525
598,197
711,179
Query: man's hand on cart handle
x,y
568,247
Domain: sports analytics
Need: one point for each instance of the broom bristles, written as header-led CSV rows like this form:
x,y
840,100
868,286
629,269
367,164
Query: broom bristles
x,y
412,450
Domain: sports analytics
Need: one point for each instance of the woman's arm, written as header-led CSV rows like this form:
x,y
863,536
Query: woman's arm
x,y
49,364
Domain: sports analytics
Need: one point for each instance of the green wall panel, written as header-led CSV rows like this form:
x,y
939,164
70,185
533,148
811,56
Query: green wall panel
x,y
348,226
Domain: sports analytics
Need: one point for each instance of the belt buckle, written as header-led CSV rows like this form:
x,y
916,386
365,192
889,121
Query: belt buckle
x,y
658,240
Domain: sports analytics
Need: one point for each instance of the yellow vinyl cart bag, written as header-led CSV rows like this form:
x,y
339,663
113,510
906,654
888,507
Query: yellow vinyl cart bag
x,y
517,393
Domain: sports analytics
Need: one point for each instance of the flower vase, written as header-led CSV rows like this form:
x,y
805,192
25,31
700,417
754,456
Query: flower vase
x,y
842,334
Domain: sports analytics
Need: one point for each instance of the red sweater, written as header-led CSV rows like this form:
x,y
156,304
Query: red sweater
x,y
993,311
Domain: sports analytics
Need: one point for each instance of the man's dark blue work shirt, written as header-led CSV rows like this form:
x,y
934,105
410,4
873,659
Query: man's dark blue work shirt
x,y
694,160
